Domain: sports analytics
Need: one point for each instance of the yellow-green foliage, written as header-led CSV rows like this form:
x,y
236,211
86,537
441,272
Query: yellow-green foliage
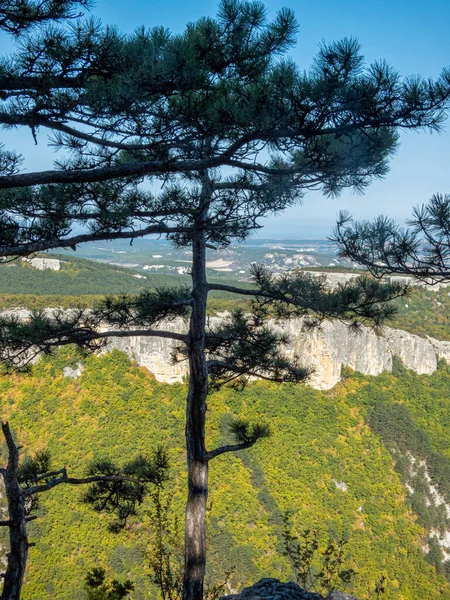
x,y
425,312
117,409
33,302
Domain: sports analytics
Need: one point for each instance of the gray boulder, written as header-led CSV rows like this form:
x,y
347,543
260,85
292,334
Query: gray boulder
x,y
273,589
339,596
73,371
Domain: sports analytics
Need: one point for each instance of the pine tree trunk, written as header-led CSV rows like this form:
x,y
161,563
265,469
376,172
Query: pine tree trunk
x,y
195,525
18,538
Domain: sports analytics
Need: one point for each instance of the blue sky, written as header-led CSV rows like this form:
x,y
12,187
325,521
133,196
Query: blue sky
x,y
412,35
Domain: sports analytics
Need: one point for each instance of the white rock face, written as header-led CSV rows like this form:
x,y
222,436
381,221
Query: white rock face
x,y
433,498
326,349
416,353
442,349
44,263
154,353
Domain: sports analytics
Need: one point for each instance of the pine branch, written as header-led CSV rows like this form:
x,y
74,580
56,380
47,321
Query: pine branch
x,y
243,346
17,17
24,352
228,448
363,300
24,249
225,368
421,250
64,478
112,489
300,294
148,308
220,287
179,337
21,341
246,434
158,167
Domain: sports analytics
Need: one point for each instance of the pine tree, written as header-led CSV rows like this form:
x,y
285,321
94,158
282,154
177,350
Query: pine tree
x,y
118,490
227,130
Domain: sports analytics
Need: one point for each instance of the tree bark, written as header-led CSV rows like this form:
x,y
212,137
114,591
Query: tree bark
x,y
197,464
18,538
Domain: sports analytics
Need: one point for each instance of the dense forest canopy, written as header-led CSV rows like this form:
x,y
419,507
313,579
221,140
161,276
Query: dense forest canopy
x,y
320,439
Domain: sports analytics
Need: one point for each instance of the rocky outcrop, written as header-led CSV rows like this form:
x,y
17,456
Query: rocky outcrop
x,y
326,349
154,353
273,589
73,371
442,349
334,345
43,263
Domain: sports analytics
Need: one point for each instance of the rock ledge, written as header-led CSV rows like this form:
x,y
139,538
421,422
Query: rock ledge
x,y
273,589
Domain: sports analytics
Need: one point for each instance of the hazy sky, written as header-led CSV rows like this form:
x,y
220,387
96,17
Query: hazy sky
x,y
411,35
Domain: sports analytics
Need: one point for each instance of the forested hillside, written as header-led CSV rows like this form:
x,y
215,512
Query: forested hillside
x,y
329,461
81,281
425,312
76,277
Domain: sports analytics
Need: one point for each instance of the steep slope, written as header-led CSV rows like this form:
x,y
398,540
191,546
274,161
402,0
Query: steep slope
x,y
73,277
320,442
326,349
411,414
54,280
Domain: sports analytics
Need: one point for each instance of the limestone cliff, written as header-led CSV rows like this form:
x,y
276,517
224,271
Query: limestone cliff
x,y
326,349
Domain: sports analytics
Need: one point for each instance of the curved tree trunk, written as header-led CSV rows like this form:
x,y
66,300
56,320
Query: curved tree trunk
x,y
18,538
195,524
